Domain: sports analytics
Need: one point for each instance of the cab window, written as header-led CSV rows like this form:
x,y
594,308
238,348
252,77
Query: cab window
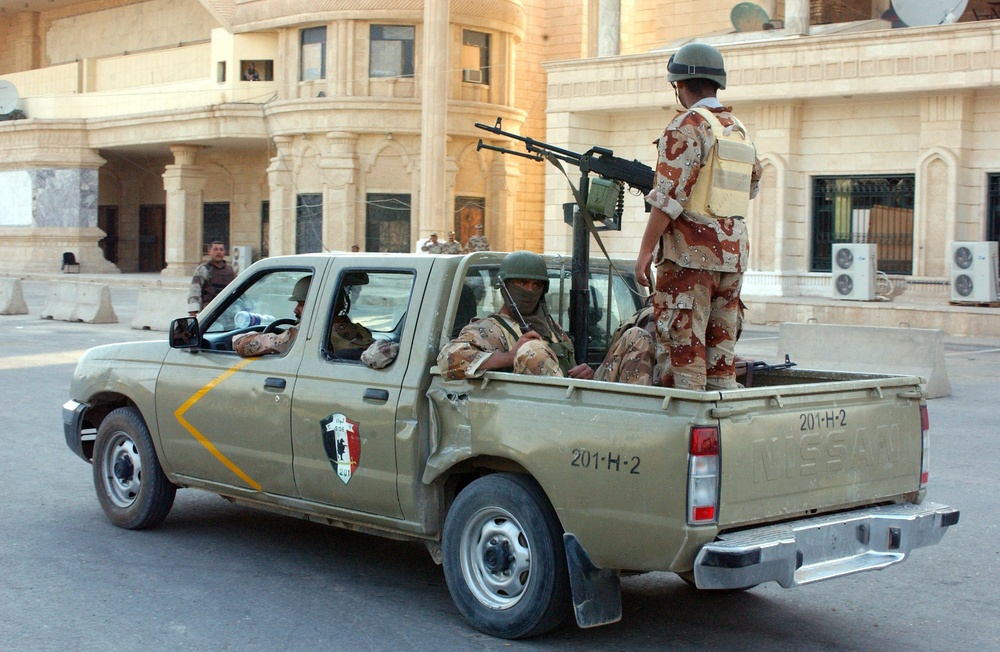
x,y
368,306
258,305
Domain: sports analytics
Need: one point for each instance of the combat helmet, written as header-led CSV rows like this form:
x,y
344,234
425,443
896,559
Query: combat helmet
x,y
524,265
301,289
697,61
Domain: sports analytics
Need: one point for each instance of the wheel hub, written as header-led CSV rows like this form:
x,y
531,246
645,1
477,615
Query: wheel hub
x,y
497,556
123,469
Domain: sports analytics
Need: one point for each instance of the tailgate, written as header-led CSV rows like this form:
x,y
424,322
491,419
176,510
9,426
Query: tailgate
x,y
801,450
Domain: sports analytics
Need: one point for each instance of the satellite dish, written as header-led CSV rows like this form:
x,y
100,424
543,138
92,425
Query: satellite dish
x,y
918,13
748,17
8,97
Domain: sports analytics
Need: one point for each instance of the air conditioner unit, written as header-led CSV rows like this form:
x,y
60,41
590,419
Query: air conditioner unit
x,y
242,258
472,75
973,272
854,271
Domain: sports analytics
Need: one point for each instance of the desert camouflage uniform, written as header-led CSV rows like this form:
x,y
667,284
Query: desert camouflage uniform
x,y
700,262
632,356
453,247
250,345
207,282
477,243
461,357
345,334
380,354
432,247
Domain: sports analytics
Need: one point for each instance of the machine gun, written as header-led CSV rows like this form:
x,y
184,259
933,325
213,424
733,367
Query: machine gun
x,y
604,197
601,198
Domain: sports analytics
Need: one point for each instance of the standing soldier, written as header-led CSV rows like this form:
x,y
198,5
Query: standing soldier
x,y
432,246
706,174
477,242
210,278
453,246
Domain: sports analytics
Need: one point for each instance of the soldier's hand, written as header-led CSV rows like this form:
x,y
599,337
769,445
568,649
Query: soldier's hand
x,y
642,269
582,371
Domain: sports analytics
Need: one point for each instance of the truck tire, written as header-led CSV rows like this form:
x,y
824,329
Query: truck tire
x,y
503,557
131,487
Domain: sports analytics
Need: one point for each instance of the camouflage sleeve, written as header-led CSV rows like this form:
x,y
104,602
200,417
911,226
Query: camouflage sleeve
x,y
461,357
758,170
201,276
680,153
250,345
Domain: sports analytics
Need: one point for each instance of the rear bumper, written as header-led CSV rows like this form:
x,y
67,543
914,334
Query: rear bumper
x,y
821,548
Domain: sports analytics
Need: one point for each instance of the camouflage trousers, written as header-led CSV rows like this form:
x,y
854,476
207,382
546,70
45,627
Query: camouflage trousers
x,y
630,360
697,318
535,358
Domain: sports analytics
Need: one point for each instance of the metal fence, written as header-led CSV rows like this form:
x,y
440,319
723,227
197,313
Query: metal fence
x,y
864,209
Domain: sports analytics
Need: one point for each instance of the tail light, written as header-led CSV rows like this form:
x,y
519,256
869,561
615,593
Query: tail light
x,y
703,476
925,437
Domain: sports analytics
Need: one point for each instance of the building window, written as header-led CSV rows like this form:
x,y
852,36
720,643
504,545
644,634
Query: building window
x,y
391,51
469,211
309,223
257,70
214,225
993,208
313,54
220,71
864,209
475,57
387,222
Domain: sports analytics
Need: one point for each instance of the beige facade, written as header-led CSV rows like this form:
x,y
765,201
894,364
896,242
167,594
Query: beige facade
x,y
850,98
341,141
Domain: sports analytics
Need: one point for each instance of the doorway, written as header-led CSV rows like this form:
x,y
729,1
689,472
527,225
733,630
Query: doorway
x,y
152,238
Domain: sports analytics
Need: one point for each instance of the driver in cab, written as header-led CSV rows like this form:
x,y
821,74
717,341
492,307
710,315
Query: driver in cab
x,y
251,345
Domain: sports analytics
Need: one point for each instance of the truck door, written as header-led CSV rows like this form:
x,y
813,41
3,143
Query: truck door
x,y
223,418
344,424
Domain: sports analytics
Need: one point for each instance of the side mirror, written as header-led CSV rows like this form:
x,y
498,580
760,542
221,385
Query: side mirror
x,y
184,333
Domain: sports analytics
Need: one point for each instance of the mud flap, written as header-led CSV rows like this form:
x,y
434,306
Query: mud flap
x,y
597,592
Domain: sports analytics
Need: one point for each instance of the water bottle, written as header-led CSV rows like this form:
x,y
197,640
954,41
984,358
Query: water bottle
x,y
244,319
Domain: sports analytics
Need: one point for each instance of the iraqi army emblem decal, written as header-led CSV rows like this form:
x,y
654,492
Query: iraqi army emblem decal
x,y
342,441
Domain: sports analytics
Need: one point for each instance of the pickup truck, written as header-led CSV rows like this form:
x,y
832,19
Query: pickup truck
x,y
535,494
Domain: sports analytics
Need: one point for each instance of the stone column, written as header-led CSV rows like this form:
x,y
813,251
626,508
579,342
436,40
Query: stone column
x,y
797,17
946,123
504,178
609,20
339,165
27,43
184,183
281,235
435,76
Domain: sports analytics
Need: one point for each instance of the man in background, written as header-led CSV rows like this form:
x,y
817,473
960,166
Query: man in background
x,y
210,278
477,242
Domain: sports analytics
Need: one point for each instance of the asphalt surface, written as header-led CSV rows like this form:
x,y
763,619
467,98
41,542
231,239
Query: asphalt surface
x,y
218,577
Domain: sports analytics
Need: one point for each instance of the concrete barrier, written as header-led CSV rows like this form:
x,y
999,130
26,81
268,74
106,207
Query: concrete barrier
x,y
76,301
12,297
157,307
869,349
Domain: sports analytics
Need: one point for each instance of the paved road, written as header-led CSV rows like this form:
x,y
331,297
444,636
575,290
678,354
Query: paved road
x,y
218,577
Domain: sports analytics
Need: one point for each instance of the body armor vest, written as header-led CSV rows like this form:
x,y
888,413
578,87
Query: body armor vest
x,y
218,279
723,185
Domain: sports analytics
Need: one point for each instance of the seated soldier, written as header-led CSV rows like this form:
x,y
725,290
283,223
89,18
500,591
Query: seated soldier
x,y
250,345
631,358
500,342
345,335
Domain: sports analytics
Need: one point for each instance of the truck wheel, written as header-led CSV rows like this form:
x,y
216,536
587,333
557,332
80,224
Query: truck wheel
x,y
131,487
504,559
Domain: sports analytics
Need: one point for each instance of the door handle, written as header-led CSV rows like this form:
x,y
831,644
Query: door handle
x,y
274,383
376,395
